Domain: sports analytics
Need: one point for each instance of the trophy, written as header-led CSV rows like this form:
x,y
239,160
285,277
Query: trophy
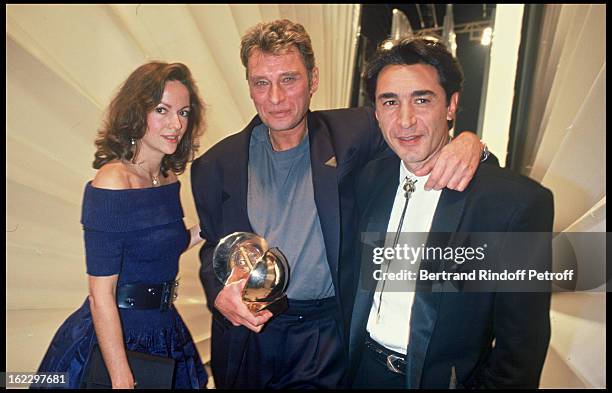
x,y
245,255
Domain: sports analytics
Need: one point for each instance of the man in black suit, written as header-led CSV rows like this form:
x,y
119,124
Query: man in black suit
x,y
289,177
426,338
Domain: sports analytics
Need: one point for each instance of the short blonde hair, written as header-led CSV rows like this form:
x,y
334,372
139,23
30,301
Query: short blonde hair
x,y
276,38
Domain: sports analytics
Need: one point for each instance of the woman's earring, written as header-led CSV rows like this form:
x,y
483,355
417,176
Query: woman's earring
x,y
134,148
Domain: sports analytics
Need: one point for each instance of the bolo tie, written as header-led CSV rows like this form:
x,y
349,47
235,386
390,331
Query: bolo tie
x,y
409,188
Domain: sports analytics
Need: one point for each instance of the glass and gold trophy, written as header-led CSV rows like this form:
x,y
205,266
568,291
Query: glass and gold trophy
x,y
245,255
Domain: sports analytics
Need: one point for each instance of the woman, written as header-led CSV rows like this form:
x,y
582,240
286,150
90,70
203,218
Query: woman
x,y
134,232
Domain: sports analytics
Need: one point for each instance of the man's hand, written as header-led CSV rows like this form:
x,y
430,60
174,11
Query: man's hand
x,y
455,163
229,303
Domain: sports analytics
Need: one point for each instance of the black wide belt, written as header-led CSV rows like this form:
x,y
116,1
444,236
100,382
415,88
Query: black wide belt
x,y
394,361
142,296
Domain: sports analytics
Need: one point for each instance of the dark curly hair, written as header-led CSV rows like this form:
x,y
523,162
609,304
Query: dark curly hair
x,y
126,116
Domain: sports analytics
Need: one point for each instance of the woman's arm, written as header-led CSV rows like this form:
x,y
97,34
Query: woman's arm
x,y
108,329
194,232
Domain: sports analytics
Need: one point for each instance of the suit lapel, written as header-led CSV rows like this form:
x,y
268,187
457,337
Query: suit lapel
x,y
449,211
373,230
235,184
378,210
384,186
426,306
325,185
236,219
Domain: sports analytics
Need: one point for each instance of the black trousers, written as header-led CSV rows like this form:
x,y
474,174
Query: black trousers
x,y
300,348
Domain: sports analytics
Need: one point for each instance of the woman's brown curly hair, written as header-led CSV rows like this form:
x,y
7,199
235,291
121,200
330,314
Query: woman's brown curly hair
x,y
126,117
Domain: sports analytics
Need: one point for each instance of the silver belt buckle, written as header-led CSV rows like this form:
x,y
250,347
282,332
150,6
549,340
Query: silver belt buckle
x,y
169,294
391,366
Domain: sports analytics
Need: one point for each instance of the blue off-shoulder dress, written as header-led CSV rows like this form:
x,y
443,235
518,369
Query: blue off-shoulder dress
x,y
138,234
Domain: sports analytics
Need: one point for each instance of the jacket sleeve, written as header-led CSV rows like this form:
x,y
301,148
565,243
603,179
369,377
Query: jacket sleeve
x,y
206,192
521,321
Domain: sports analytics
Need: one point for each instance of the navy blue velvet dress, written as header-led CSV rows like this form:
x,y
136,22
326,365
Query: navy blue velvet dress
x,y
138,234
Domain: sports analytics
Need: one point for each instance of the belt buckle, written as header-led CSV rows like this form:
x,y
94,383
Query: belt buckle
x,y
168,295
392,367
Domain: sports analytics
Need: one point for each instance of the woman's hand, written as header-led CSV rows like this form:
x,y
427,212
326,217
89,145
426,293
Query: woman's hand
x,y
194,232
124,381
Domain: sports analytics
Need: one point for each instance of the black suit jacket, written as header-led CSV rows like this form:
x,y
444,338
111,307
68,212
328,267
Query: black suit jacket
x,y
341,142
455,331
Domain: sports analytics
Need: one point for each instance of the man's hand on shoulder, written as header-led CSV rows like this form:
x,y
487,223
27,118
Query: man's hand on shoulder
x,y
455,163
229,303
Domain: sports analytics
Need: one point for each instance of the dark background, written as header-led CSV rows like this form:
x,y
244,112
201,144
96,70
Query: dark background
x,y
376,27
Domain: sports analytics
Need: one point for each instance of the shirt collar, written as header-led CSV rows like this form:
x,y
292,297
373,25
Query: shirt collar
x,y
421,180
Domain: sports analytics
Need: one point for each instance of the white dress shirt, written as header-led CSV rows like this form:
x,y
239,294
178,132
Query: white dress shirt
x,y
391,326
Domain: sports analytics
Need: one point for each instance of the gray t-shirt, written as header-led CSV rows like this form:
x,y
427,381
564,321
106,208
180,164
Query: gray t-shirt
x,y
282,209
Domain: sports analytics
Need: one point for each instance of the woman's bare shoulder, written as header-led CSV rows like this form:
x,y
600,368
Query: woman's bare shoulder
x,y
113,175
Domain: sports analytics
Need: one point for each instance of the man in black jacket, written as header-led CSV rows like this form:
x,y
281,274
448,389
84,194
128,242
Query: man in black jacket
x,y
289,177
429,338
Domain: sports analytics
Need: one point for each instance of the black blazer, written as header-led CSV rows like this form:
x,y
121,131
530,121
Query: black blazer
x,y
342,141
456,330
